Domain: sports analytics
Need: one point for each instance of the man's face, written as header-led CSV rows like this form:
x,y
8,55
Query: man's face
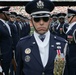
x,y
41,24
12,18
18,19
54,19
3,16
61,20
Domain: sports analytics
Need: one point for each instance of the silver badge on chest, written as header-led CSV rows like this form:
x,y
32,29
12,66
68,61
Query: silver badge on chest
x,y
27,51
58,47
27,58
58,43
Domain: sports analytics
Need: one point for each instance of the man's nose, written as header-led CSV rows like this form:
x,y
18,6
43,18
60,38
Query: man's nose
x,y
41,21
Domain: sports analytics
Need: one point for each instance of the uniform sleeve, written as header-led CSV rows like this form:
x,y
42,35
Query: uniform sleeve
x,y
18,60
27,29
14,36
66,70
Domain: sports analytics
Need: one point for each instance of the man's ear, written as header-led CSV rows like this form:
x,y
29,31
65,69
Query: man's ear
x,y
31,22
50,19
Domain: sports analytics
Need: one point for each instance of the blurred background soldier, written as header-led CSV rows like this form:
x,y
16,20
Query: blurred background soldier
x,y
54,23
24,31
59,29
71,37
11,18
24,25
17,20
5,41
14,33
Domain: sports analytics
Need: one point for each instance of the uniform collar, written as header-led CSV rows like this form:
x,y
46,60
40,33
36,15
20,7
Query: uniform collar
x,y
46,40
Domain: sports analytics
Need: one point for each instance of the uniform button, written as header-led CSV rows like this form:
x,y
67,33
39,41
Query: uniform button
x,y
43,73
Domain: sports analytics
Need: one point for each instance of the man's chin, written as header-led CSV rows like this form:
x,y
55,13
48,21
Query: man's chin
x,y
42,32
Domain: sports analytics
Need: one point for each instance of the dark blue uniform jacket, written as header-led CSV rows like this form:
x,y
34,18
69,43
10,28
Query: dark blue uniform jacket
x,y
30,63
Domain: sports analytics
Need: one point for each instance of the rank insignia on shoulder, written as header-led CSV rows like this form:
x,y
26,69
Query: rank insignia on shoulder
x,y
28,51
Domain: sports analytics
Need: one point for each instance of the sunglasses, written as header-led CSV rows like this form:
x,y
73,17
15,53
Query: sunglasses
x,y
12,16
37,19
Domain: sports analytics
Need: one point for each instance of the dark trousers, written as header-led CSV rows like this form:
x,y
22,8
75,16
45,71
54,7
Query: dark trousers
x,y
5,67
72,71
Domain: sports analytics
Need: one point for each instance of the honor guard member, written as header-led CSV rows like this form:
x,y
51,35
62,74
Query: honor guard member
x,y
25,30
65,28
59,29
5,41
14,32
11,18
15,39
27,26
54,23
71,37
10,21
35,54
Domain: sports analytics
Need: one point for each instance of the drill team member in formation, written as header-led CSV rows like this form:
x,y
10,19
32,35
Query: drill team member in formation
x,y
54,23
24,25
35,54
5,41
60,27
71,37
15,38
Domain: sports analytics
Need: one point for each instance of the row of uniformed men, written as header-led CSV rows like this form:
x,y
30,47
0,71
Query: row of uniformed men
x,y
61,22
12,28
65,27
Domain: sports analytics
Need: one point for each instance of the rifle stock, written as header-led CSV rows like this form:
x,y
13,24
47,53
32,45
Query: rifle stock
x,y
14,64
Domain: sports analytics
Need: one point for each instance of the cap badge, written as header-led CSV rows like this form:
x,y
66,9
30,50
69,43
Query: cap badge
x,y
28,51
40,4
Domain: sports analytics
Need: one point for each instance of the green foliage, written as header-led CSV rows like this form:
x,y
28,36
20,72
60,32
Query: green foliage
x,y
32,30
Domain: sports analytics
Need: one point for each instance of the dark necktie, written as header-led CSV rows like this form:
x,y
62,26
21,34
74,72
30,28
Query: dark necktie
x,y
42,37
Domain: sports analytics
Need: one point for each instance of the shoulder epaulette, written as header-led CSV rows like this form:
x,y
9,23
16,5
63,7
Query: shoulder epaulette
x,y
26,37
60,39
70,27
